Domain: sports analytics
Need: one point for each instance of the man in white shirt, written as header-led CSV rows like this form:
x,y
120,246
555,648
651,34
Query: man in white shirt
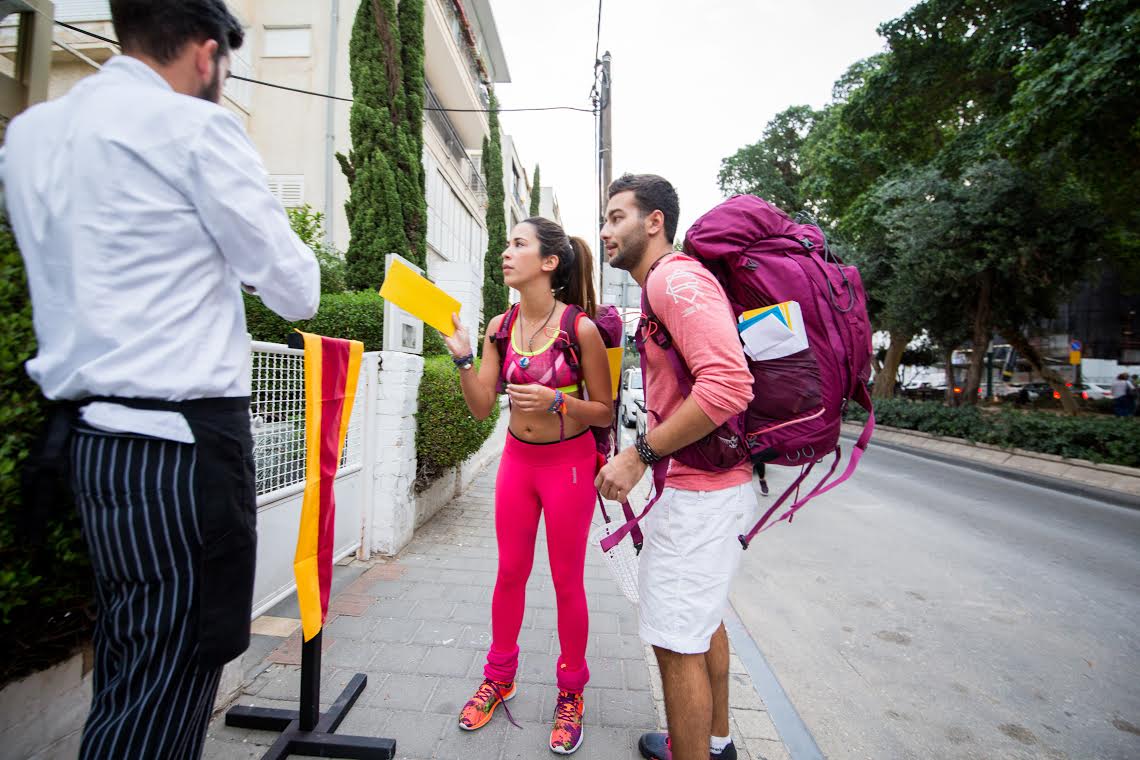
x,y
141,209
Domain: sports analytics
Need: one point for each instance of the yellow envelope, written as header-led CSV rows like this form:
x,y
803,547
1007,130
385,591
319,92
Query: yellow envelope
x,y
615,357
420,297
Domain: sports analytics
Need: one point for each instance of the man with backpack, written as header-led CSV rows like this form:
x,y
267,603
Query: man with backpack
x,y
690,551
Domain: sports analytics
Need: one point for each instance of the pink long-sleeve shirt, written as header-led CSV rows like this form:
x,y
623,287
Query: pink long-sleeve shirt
x,y
692,306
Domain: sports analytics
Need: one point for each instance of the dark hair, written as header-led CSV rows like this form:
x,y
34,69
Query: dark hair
x,y
652,193
573,279
161,28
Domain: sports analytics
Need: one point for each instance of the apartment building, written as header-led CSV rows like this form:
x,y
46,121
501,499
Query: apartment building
x,y
304,45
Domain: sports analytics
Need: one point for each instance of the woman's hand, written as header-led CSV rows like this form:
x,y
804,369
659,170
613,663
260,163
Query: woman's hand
x,y
459,342
531,398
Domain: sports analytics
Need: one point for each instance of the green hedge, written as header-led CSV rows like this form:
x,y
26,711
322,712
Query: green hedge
x,y
446,433
45,582
1096,438
357,316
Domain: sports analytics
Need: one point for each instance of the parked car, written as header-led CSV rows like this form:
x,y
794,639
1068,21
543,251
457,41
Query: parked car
x,y
640,422
631,393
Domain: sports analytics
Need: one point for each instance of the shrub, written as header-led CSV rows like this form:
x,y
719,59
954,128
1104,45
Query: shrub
x,y
1097,438
358,316
446,433
45,582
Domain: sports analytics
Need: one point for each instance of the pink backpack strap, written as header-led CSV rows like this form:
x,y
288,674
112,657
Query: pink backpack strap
x,y
502,339
825,484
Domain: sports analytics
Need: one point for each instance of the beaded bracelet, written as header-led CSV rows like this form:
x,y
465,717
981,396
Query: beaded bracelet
x,y
645,452
558,406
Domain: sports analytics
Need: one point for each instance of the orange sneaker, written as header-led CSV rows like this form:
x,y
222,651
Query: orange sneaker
x,y
480,708
567,734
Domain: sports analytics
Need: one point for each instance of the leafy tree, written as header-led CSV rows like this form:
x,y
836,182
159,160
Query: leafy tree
x,y
771,167
536,193
494,291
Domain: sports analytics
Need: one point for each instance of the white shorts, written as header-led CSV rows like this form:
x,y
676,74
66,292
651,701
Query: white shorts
x,y
687,563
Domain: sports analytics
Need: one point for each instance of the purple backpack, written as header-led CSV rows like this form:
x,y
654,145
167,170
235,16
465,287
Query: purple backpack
x,y
761,257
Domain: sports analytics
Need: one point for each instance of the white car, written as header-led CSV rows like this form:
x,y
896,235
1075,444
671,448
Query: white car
x,y
631,393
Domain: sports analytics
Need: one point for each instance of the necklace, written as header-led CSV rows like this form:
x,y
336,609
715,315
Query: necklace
x,y
525,361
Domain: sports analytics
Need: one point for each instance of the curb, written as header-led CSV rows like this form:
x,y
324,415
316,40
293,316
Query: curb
x,y
961,458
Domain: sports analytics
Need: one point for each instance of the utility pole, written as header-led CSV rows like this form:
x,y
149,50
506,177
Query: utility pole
x,y
605,163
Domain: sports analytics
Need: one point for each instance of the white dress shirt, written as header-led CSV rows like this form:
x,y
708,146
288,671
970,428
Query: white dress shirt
x,y
140,212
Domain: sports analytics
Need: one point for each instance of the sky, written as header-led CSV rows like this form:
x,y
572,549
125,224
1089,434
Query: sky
x,y
693,81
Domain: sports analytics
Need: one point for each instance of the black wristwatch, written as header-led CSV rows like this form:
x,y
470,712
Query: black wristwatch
x,y
464,362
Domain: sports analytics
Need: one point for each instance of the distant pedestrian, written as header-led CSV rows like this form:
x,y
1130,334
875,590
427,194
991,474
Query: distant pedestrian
x,y
1123,396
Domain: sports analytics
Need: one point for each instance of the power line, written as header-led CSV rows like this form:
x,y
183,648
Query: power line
x,y
337,97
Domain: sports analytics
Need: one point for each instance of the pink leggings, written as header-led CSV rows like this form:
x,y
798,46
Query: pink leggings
x,y
555,479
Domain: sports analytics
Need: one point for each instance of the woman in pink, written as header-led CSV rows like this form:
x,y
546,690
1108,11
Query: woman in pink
x,y
549,460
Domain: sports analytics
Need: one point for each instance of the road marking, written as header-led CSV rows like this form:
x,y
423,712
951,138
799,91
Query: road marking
x,y
793,731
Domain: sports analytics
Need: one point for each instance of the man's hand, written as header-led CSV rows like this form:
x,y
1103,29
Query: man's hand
x,y
620,475
531,397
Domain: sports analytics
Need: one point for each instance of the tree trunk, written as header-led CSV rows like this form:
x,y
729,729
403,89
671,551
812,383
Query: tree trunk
x,y
951,399
887,376
1021,345
981,340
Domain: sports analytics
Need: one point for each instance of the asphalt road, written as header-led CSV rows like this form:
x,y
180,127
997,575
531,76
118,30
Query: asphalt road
x,y
924,610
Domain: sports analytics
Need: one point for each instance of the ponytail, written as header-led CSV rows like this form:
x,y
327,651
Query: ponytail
x,y
580,289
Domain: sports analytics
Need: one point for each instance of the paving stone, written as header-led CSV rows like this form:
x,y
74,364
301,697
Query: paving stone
x,y
636,676
416,733
349,627
630,709
363,720
425,591
347,653
395,630
351,604
471,612
466,593
449,661
390,589
390,608
616,645
761,749
755,724
401,692
539,641
741,693
439,609
439,633
476,637
603,622
217,749
485,744
398,658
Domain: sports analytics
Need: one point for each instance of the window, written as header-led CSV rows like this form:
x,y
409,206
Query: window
x,y
452,231
288,188
288,41
82,10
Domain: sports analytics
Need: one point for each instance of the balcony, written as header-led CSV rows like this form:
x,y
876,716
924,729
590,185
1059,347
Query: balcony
x,y
458,154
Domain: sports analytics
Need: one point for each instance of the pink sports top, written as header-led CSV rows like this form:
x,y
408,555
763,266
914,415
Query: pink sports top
x,y
546,366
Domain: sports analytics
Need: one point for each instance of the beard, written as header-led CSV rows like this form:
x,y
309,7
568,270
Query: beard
x,y
213,91
630,251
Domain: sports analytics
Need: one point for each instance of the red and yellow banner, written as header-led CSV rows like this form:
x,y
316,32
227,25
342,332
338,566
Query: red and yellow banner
x,y
332,367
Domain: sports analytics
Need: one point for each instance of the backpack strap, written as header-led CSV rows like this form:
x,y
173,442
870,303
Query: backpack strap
x,y
863,398
502,340
568,339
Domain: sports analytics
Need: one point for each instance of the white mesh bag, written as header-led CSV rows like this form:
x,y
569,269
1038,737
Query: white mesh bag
x,y
621,559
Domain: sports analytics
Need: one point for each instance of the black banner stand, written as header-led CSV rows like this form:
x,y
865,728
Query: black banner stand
x,y
307,732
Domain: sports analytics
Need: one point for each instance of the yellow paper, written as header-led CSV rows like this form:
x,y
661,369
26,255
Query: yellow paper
x,y
615,356
420,297
784,308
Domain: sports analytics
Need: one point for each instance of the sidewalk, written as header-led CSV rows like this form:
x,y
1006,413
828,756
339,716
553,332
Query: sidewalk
x,y
418,626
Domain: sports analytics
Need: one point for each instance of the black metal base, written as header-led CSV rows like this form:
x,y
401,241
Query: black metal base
x,y
320,741
307,732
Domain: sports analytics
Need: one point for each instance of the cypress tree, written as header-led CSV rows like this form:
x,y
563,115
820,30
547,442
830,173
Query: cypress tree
x,y
535,192
494,291
387,210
